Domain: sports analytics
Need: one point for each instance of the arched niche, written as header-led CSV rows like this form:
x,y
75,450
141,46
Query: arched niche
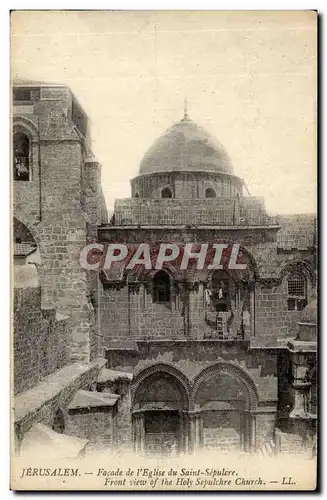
x,y
166,193
172,385
210,193
225,396
160,397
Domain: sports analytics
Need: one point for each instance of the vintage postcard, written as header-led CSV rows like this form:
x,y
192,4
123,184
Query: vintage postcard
x,y
164,250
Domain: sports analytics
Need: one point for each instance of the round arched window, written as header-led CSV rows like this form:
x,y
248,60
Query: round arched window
x,y
21,157
297,292
166,193
210,193
161,287
137,195
221,290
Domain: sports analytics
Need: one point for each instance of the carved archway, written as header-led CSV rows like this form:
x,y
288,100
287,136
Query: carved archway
x,y
160,403
252,271
26,126
223,398
233,371
164,370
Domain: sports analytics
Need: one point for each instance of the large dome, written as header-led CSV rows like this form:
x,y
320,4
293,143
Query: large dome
x,y
186,147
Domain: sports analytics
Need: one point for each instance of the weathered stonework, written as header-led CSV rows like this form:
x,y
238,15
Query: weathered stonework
x,y
179,373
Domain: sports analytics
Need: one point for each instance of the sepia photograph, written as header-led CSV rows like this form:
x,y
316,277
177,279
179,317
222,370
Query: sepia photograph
x,y
164,250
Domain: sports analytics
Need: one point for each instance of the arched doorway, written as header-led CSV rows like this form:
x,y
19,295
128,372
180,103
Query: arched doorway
x,y
160,424
223,400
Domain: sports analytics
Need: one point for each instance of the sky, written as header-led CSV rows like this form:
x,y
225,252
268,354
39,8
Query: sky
x,y
249,78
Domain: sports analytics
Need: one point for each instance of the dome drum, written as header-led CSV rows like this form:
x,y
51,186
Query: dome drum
x,y
186,185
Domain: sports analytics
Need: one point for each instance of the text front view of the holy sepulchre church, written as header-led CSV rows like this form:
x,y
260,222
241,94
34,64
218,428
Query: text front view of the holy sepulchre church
x,y
157,361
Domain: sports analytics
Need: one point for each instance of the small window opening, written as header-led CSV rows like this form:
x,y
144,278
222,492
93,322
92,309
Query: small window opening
x,y
21,157
161,287
210,193
22,94
166,193
221,291
297,292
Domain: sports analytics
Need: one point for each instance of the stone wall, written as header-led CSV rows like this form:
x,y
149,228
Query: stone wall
x,y
191,357
54,392
215,211
193,361
123,416
61,206
222,430
272,317
265,428
126,312
39,339
98,425
129,310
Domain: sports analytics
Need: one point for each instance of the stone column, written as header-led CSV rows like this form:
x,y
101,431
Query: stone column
x,y
138,432
300,385
196,432
184,433
191,433
142,431
199,431
249,432
252,433
252,308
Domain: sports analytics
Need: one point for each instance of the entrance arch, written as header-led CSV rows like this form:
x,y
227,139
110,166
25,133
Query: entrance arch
x,y
160,401
224,397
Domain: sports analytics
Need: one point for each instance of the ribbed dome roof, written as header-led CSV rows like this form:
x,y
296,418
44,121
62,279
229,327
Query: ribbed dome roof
x,y
309,313
186,147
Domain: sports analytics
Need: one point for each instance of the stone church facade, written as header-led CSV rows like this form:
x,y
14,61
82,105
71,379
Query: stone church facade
x,y
165,361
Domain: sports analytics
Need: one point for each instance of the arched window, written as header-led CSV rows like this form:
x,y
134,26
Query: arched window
x,y
137,195
221,290
21,157
166,193
59,422
161,287
296,292
210,193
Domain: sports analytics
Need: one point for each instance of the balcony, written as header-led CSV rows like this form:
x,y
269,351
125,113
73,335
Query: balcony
x,y
226,325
